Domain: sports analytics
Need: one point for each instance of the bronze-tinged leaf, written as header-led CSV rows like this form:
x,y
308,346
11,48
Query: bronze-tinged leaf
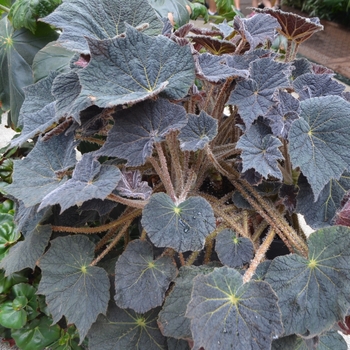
x,y
294,27
213,45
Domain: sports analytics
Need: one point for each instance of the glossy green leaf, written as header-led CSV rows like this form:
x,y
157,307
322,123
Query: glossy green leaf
x,y
319,141
28,292
8,234
11,317
36,334
52,57
313,292
68,341
261,151
125,329
6,207
134,68
321,213
172,320
198,132
103,20
255,96
227,314
71,286
140,280
233,251
43,170
326,341
24,13
6,282
16,71
183,227
137,128
179,10
90,180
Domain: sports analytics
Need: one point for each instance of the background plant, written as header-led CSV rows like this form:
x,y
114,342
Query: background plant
x,y
198,148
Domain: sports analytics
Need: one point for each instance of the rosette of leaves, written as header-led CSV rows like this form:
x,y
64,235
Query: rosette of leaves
x,y
142,239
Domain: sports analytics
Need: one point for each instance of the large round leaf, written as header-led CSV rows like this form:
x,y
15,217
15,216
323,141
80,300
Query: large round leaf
x,y
183,227
12,317
313,292
141,281
227,314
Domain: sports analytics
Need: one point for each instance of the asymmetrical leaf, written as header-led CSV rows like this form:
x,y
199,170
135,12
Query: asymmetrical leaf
x,y
233,251
103,20
260,151
131,185
282,115
43,170
321,213
213,45
182,227
172,320
24,13
319,141
72,287
141,281
225,313
313,292
51,58
16,71
136,129
214,68
27,253
316,85
198,132
125,329
254,96
293,26
90,180
256,29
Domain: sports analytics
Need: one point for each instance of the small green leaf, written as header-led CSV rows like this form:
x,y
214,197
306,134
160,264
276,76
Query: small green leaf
x,y
28,292
125,329
80,296
141,281
172,320
313,292
183,227
12,315
227,314
319,141
8,234
36,334
6,282
24,13
232,250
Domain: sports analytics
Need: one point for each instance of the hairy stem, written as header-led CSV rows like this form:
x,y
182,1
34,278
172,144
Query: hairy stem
x,y
221,100
143,235
106,238
192,258
288,176
182,259
134,203
259,256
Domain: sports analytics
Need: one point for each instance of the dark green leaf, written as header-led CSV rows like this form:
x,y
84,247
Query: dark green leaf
x,y
8,234
24,13
261,151
6,282
52,57
183,227
321,213
103,20
17,51
227,314
177,344
141,281
10,317
26,253
28,292
37,334
90,180
172,320
319,141
43,170
125,329
254,96
313,292
256,29
198,132
137,128
261,270
71,286
232,250
135,68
